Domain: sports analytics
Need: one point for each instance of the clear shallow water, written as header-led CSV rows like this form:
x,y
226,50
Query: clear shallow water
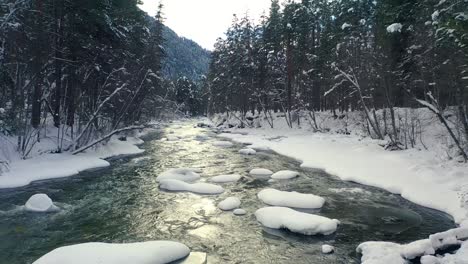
x,y
123,204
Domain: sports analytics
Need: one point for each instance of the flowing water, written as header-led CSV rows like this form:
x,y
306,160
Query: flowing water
x,y
123,203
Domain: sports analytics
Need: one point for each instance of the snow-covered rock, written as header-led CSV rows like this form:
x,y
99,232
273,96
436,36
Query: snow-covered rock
x,y
380,253
223,144
181,186
294,221
181,174
229,204
226,178
290,199
417,248
327,249
172,138
449,238
154,252
395,27
239,212
261,172
285,175
429,260
247,151
40,203
385,252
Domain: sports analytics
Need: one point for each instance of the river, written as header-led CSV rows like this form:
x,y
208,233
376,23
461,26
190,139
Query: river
x,y
123,203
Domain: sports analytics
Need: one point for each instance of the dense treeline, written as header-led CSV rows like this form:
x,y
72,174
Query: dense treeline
x,y
89,67
184,57
339,56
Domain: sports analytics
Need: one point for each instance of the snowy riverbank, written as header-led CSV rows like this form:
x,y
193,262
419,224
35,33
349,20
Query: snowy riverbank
x,y
422,176
48,166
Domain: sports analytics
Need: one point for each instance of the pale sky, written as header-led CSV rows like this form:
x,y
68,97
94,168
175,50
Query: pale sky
x,y
205,20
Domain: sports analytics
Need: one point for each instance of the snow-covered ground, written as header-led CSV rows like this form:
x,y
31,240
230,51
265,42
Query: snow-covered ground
x,y
426,174
43,165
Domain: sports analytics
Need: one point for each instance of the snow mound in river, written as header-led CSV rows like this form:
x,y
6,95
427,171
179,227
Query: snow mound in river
x,y
154,252
285,175
181,174
239,212
261,172
229,204
247,151
294,221
40,203
327,249
200,188
290,199
226,178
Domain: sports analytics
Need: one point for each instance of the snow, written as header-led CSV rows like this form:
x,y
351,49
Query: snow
x,y
239,212
225,178
395,27
223,144
173,138
247,151
327,249
40,203
181,174
427,175
153,252
345,26
294,221
53,166
290,199
181,186
349,190
420,176
381,253
285,175
229,204
259,172
387,252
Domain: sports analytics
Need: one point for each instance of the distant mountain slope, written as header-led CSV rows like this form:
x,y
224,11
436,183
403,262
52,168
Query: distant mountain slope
x,y
184,57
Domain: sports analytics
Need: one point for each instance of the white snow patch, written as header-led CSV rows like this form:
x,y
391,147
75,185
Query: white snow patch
x,y
386,252
53,166
345,26
181,186
40,203
154,252
240,212
229,204
294,221
247,151
327,249
381,253
225,178
395,27
259,172
285,175
290,199
181,174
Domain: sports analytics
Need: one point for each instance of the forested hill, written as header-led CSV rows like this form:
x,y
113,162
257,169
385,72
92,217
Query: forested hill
x,y
184,57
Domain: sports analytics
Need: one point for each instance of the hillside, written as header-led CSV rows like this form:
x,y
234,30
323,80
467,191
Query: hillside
x,y
184,57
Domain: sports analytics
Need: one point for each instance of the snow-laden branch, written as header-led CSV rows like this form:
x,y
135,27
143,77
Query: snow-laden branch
x,y
106,137
434,107
94,116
